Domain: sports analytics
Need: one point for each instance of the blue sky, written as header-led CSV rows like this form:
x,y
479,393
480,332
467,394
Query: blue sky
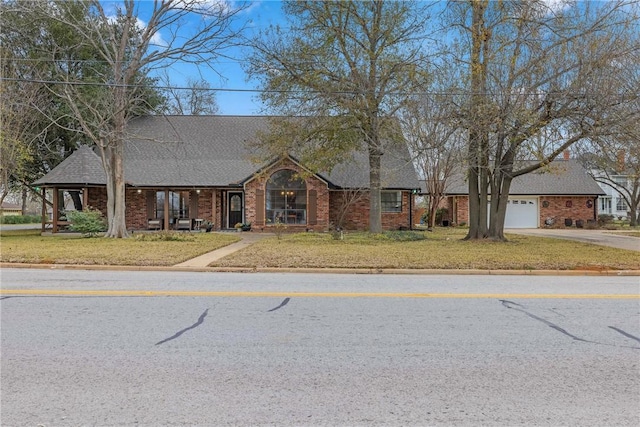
x,y
228,74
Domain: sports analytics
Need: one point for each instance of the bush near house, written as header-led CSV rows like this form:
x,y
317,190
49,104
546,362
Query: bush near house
x,y
89,222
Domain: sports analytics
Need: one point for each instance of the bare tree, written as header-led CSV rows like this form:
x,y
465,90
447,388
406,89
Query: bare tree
x,y
435,137
128,50
18,127
196,99
346,199
613,159
347,66
535,70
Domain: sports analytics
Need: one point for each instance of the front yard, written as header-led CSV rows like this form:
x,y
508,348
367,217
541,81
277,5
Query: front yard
x,y
441,249
29,246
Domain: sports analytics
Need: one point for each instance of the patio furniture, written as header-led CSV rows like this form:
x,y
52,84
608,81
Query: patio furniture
x,y
183,224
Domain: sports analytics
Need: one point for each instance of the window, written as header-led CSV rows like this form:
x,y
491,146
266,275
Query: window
x,y
391,201
621,204
178,204
286,198
605,205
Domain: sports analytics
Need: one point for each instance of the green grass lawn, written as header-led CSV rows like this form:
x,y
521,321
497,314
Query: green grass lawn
x,y
441,249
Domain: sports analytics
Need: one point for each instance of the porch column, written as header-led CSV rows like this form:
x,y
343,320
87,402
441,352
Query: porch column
x,y
56,215
214,211
85,198
166,209
43,212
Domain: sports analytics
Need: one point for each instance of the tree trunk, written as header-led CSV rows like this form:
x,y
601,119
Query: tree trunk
x,y
633,212
375,205
433,207
24,201
478,139
498,209
119,224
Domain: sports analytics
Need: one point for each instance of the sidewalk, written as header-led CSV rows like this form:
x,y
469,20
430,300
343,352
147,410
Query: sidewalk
x,y
248,239
596,237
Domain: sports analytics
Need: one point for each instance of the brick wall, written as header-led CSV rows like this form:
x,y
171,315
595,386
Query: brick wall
x,y
312,183
136,205
357,215
97,199
460,208
557,207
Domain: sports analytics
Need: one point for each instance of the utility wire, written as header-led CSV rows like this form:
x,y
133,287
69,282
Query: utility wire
x,y
623,95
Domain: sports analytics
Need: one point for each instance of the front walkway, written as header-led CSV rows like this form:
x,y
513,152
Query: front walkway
x,y
248,238
609,238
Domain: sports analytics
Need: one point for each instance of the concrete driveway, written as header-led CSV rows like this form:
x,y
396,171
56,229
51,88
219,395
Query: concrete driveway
x,y
610,238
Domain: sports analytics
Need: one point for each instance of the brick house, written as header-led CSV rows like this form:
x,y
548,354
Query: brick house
x,y
181,171
561,194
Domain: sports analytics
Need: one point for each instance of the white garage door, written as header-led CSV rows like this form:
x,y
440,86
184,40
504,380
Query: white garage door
x,y
522,212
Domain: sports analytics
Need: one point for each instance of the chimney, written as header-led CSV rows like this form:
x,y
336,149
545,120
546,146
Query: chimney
x,y
566,154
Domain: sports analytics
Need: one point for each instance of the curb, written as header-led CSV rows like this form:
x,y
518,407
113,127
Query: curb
x,y
609,273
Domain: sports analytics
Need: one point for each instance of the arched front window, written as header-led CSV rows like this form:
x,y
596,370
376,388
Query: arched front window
x,y
286,198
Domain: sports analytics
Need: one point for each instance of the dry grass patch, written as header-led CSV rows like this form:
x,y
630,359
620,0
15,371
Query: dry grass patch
x,y
29,246
442,249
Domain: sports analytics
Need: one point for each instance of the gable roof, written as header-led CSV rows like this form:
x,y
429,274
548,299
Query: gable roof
x,y
83,167
213,151
559,178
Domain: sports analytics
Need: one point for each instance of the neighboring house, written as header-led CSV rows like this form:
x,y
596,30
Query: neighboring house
x,y
612,203
9,209
200,168
560,194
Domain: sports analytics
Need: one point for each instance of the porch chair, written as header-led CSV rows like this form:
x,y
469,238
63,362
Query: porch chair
x,y
154,224
183,224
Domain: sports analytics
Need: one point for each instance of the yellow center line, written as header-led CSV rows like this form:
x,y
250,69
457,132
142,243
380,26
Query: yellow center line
x,y
143,293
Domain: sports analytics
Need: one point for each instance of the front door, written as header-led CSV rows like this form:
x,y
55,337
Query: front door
x,y
235,209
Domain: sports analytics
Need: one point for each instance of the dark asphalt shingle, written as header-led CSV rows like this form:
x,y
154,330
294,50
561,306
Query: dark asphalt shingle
x,y
188,151
560,177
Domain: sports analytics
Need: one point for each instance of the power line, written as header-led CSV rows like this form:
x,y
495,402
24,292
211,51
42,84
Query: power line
x,y
623,95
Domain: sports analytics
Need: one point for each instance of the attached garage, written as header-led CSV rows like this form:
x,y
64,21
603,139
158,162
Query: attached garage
x,y
522,212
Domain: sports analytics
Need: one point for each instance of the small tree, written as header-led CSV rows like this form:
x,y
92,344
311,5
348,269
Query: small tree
x,y
346,199
435,138
197,99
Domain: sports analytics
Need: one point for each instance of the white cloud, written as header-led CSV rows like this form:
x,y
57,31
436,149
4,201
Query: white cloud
x,y
156,38
556,4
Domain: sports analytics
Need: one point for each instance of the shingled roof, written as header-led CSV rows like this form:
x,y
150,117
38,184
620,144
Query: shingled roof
x,y
559,178
213,151
82,168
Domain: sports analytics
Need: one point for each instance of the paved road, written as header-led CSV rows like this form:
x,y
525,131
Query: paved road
x,y
20,227
401,355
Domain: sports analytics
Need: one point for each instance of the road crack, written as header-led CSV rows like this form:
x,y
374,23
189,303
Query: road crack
x,y
195,325
515,306
628,335
282,304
